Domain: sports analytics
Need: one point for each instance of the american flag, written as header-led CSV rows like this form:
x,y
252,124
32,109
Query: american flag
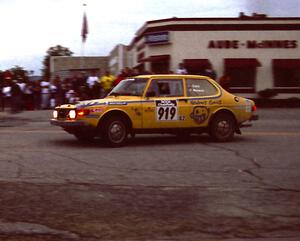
x,y
84,30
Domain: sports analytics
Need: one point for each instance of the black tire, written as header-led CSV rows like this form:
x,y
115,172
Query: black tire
x,y
114,131
222,127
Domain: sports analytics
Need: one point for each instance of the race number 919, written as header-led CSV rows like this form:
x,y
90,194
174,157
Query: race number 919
x,y
167,113
166,110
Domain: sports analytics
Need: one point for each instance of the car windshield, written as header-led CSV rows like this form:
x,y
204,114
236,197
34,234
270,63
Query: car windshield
x,y
131,87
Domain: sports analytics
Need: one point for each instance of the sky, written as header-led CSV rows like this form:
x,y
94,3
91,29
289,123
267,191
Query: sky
x,y
30,27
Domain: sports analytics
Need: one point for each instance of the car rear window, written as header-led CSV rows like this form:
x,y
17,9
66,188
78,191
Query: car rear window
x,y
200,87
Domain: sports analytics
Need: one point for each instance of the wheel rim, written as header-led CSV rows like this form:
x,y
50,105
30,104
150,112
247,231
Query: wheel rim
x,y
117,132
224,128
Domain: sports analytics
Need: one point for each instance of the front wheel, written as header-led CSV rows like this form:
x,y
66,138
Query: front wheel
x,y
222,127
114,131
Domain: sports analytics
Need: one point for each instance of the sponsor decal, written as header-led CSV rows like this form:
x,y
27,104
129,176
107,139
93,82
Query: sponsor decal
x,y
149,109
182,118
87,104
199,102
96,110
206,102
118,103
248,105
136,111
200,114
215,102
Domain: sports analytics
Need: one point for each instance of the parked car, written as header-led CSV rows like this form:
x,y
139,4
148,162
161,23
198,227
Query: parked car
x,y
175,104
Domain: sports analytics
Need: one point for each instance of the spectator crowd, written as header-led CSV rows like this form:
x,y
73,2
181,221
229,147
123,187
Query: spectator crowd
x,y
20,94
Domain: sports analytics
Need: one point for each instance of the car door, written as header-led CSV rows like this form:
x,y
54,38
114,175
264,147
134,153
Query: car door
x,y
204,97
162,107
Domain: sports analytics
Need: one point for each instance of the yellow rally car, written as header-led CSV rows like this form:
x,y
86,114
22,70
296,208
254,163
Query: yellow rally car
x,y
176,104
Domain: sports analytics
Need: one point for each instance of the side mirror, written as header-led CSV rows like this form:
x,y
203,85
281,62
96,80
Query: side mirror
x,y
150,94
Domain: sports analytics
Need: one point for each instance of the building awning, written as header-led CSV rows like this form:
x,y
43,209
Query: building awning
x,y
156,58
236,63
286,63
197,63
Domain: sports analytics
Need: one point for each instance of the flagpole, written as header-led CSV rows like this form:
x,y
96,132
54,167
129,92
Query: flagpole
x,y
82,49
84,32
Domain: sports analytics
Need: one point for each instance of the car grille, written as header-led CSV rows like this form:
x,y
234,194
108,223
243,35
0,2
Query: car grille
x,y
63,113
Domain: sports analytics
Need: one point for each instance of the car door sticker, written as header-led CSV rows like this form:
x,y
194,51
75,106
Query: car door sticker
x,y
248,106
200,114
166,110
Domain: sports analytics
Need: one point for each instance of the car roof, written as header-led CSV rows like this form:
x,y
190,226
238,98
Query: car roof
x,y
170,76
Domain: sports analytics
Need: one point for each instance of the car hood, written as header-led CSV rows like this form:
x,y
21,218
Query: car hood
x,y
107,101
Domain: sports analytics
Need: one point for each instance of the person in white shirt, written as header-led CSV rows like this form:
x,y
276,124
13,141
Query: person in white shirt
x,y
92,79
45,92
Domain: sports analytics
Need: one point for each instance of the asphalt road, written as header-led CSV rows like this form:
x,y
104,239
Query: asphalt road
x,y
53,187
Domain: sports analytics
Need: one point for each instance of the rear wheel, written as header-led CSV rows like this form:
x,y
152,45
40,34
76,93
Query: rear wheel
x,y
222,127
114,131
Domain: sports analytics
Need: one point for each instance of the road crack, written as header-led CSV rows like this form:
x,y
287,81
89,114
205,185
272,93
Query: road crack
x,y
14,159
24,228
252,160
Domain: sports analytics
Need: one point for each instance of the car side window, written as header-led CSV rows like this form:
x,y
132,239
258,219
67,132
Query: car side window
x,y
165,88
200,87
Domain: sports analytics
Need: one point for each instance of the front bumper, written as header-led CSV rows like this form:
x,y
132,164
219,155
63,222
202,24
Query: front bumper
x,y
67,123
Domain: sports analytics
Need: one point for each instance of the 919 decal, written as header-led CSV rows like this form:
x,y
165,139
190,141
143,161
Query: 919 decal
x,y
166,110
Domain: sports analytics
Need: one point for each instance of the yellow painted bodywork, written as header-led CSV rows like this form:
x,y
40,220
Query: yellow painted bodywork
x,y
190,111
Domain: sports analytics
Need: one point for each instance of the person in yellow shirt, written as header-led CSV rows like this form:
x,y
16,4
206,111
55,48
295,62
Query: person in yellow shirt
x,y
107,81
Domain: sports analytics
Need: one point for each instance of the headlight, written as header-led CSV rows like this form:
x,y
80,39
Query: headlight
x,y
72,114
55,114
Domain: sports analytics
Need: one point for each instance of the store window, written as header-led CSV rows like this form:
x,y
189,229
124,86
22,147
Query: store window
x,y
286,74
196,66
160,64
160,67
140,68
242,74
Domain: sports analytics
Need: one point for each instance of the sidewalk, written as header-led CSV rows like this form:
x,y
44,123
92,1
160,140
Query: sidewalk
x,y
277,103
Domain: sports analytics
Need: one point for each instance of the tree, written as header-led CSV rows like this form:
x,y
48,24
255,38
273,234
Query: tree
x,y
53,51
1,77
19,72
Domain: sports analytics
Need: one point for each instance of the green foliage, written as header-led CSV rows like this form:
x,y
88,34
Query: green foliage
x,y
1,76
16,72
53,51
19,72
